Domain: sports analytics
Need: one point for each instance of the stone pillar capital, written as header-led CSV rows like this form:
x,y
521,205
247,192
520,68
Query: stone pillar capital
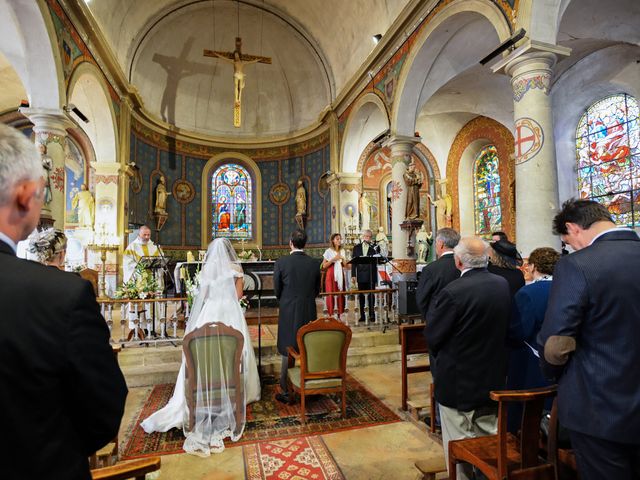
x,y
106,168
349,178
531,57
401,144
48,120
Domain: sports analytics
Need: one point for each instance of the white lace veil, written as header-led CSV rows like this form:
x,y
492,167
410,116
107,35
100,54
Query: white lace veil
x,y
219,403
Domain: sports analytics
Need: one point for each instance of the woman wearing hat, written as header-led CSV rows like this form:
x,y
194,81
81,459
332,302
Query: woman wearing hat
x,y
504,260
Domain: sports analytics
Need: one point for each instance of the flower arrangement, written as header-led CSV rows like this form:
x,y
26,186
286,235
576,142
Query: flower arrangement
x,y
244,303
46,243
247,256
192,284
142,284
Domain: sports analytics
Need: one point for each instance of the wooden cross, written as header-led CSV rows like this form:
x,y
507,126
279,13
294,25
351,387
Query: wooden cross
x,y
238,60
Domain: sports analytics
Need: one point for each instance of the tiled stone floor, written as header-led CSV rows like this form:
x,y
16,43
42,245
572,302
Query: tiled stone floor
x,y
381,452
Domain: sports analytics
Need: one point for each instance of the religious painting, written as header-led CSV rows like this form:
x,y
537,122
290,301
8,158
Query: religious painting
x,y
608,157
231,202
486,191
75,176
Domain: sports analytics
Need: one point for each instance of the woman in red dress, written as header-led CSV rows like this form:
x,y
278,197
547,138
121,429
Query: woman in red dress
x,y
333,263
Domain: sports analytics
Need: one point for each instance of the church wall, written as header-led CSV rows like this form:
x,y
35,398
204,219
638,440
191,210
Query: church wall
x,y
153,153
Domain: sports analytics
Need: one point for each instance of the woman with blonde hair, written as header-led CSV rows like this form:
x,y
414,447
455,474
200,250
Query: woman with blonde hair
x,y
50,247
333,263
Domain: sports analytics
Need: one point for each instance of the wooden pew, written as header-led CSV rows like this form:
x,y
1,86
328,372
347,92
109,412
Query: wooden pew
x,y
413,342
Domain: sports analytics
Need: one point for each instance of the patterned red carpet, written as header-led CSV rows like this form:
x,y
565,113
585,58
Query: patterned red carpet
x,y
299,458
267,419
266,333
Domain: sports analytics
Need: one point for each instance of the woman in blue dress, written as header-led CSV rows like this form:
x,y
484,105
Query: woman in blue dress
x,y
529,306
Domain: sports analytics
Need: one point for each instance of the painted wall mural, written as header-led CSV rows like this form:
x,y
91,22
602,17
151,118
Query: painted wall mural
x,y
280,168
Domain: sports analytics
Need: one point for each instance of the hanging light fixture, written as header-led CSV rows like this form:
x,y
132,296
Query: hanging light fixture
x,y
376,38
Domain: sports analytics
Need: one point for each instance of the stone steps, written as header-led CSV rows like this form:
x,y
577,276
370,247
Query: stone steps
x,y
155,365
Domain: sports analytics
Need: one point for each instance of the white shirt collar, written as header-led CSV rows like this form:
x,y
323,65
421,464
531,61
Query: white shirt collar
x,y
9,242
294,250
448,252
614,229
465,271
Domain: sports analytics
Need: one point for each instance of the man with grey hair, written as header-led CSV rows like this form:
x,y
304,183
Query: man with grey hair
x,y
466,335
365,274
55,344
437,275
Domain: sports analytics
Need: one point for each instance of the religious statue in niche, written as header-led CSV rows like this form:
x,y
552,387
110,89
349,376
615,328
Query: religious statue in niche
x,y
83,202
424,241
383,241
365,212
238,60
413,179
47,164
301,204
443,206
161,197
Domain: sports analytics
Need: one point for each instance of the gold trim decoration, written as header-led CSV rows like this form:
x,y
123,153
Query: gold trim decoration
x,y
500,136
183,191
279,193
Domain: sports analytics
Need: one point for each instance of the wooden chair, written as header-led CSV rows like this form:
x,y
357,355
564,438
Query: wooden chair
x,y
412,342
92,277
504,456
204,346
323,346
564,458
135,469
107,455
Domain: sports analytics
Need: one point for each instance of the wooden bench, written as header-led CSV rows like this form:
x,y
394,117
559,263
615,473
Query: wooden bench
x,y
430,467
413,342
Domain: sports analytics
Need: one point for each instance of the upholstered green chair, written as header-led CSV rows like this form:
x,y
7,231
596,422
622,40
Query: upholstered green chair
x,y
203,348
322,369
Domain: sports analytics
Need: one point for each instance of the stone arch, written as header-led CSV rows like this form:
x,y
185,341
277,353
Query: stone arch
x,y
367,119
541,20
463,32
482,131
254,171
26,33
89,93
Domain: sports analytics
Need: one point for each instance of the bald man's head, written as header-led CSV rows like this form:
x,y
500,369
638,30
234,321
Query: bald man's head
x,y
472,252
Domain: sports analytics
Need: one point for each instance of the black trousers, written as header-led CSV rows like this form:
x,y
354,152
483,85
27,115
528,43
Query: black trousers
x,y
600,459
370,299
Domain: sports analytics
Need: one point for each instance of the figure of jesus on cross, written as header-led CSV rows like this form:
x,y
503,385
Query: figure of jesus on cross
x,y
238,60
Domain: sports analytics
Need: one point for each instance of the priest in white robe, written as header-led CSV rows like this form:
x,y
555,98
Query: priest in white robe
x,y
142,246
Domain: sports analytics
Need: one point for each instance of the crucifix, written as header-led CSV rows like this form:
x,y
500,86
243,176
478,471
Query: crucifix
x,y
238,60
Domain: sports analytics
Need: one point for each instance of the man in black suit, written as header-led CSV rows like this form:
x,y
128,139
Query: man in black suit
x,y
62,394
466,334
437,275
365,274
591,338
296,281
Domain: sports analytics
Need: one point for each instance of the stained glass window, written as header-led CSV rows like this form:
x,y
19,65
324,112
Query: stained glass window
x,y
486,191
231,202
609,158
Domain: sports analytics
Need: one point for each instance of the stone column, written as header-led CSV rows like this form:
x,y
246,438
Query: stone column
x,y
530,67
347,214
401,148
50,128
334,191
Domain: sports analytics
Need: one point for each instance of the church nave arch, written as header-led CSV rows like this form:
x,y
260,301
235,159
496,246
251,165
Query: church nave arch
x,y
368,119
26,33
207,207
455,39
88,92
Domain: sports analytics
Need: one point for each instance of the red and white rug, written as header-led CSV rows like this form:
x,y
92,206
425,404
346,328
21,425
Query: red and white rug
x,y
299,458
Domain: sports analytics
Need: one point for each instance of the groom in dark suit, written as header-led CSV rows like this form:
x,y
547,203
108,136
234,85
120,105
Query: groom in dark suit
x,y
62,393
296,281
591,338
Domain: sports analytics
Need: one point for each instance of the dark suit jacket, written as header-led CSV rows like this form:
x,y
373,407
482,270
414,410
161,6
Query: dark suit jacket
x,y
62,393
595,298
364,273
514,277
296,281
433,278
466,334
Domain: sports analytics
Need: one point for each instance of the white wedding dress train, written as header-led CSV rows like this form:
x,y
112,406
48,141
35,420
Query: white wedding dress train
x,y
209,434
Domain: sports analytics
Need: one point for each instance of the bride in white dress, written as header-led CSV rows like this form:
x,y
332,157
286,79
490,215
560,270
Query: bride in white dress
x,y
221,282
